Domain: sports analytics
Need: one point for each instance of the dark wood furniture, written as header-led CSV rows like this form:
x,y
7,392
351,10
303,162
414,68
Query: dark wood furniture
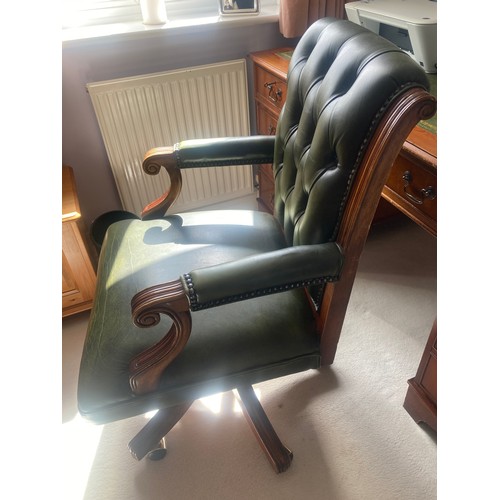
x,y
412,183
78,274
421,398
411,188
270,69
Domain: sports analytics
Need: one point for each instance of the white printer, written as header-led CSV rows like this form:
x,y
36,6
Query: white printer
x,y
409,24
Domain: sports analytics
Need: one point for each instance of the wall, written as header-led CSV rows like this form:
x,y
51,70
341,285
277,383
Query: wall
x,y
106,58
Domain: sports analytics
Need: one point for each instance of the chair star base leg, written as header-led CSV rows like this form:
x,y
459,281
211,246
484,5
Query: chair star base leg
x,y
277,453
154,432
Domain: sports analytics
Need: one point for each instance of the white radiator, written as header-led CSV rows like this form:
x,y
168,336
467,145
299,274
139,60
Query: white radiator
x,y
138,113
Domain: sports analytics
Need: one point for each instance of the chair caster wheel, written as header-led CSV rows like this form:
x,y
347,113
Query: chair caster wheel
x,y
159,452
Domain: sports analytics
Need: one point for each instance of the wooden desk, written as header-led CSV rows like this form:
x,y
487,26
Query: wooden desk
x,y
78,274
412,183
421,397
411,187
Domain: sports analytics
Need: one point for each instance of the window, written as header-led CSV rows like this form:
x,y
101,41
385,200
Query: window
x,y
79,13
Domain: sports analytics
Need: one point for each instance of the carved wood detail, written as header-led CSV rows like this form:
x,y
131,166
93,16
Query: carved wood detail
x,y
154,160
147,305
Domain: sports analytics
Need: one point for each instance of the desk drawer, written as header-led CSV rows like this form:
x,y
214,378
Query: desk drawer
x,y
266,125
266,188
266,121
270,89
413,189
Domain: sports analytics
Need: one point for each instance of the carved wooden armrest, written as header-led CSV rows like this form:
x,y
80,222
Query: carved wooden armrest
x,y
246,278
147,305
216,152
152,163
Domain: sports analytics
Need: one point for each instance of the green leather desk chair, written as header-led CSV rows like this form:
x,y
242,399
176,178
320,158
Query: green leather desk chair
x,y
192,304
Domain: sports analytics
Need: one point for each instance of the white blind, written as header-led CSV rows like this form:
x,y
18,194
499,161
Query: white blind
x,y
78,13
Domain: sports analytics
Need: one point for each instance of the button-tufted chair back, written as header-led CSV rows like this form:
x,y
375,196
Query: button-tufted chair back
x,y
339,78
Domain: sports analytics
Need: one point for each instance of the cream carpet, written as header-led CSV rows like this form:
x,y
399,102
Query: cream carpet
x,y
351,437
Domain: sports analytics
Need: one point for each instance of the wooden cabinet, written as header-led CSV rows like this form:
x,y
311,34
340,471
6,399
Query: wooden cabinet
x,y
421,397
270,88
78,274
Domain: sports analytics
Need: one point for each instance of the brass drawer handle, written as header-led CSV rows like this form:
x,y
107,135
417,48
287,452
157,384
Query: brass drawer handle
x,y
274,95
425,193
271,130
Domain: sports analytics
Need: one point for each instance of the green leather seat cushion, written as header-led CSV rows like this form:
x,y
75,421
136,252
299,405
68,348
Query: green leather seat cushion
x,y
239,343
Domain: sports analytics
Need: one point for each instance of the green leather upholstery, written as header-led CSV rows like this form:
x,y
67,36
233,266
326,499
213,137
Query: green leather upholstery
x,y
245,272
243,342
340,79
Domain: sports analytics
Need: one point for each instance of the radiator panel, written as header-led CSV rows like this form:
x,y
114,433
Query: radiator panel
x,y
138,113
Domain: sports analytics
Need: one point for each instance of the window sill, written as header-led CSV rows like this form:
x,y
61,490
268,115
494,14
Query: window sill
x,y
135,29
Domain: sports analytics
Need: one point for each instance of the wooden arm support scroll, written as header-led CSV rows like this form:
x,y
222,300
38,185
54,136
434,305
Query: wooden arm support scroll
x,y
170,299
153,161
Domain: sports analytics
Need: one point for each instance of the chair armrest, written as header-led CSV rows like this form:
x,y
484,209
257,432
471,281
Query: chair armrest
x,y
201,153
226,151
246,278
263,274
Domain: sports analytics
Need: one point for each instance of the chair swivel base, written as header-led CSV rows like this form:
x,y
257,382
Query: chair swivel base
x,y
151,440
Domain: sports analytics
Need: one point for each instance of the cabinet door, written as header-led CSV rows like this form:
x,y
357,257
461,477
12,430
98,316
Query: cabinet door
x,y
78,276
